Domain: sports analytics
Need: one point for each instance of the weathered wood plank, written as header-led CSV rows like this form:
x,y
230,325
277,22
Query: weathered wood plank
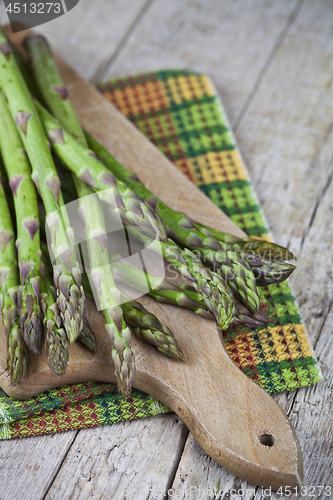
x,y
286,134
230,40
286,138
131,460
28,465
294,131
88,36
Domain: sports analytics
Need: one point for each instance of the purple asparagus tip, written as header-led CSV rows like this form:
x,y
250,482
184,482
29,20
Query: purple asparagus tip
x,y
62,91
53,183
21,119
25,268
5,237
32,226
107,178
85,176
5,49
4,271
97,276
14,183
56,136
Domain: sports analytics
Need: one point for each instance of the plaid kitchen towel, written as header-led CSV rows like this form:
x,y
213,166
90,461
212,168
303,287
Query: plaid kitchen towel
x,y
181,113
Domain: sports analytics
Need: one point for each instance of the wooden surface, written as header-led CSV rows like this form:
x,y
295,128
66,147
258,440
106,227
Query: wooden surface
x,y
226,412
272,63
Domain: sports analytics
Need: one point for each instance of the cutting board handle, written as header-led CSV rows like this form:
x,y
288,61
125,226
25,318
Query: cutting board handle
x,y
234,420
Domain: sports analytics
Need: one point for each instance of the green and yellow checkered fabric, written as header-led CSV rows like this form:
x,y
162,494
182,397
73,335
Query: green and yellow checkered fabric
x,y
182,114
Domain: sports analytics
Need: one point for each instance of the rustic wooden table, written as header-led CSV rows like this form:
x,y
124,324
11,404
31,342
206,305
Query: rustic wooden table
x,y
272,62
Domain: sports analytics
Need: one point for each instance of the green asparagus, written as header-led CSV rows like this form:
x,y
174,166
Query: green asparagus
x,y
28,244
268,273
56,97
67,274
146,325
149,329
181,229
132,210
18,359
87,337
50,85
55,336
214,290
265,249
108,295
181,295
166,295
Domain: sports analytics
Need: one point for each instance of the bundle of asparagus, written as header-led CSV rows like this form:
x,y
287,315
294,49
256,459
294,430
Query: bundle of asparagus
x,y
221,273
18,356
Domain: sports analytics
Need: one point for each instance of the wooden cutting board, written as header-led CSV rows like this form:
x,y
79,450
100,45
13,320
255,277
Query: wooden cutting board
x,y
232,418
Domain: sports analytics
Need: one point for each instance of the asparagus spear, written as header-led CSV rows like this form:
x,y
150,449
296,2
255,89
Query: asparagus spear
x,y
268,273
108,295
28,244
243,316
101,276
87,337
148,328
183,295
144,283
50,85
146,325
67,274
213,289
265,249
18,359
55,336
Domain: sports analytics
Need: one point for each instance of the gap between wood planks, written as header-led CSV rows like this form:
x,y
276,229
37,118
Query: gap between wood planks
x,y
316,206
268,63
98,75
60,465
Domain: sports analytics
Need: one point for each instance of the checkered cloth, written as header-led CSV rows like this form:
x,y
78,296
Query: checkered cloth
x,y
182,114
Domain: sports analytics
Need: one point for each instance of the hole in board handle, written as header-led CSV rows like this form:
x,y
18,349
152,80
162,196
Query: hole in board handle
x,y
267,440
